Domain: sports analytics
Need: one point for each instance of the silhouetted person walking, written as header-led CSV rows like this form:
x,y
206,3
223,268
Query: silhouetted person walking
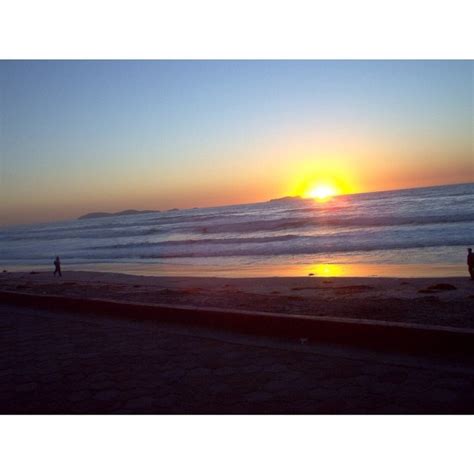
x,y
57,267
470,263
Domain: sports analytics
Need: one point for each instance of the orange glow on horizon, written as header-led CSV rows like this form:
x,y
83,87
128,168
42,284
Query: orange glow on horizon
x,y
323,175
326,270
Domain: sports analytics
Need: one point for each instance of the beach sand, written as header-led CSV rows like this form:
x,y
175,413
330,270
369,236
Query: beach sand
x,y
436,301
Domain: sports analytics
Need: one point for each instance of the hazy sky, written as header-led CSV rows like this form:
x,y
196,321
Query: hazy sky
x,y
77,137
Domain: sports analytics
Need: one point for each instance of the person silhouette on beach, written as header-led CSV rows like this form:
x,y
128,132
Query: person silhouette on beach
x,y
57,267
470,263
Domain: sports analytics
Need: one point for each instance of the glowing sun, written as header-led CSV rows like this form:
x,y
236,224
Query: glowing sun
x,y
322,192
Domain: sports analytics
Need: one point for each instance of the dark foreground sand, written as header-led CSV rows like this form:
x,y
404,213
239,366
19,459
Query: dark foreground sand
x,y
61,362
434,301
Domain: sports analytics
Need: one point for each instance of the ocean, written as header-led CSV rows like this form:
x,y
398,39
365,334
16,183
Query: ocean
x,y
411,232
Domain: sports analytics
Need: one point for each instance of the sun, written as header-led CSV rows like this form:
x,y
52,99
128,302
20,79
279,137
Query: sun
x,y
322,192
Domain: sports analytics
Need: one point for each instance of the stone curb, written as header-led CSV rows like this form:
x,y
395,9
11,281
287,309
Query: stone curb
x,y
404,337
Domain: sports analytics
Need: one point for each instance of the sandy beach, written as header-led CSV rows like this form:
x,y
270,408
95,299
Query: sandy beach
x,y
435,301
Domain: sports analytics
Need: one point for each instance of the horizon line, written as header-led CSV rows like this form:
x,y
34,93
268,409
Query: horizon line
x,y
6,226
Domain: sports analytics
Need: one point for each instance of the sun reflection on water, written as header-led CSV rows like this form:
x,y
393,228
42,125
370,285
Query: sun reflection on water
x,y
327,269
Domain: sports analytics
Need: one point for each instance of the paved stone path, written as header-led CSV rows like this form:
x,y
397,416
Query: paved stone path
x,y
52,362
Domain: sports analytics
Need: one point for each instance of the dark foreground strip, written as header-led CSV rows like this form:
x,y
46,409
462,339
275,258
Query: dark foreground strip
x,y
362,332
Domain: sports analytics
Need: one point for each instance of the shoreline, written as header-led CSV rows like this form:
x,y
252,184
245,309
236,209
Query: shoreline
x,y
430,301
261,270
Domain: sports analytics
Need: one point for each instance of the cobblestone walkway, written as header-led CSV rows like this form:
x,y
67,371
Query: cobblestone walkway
x,y
62,363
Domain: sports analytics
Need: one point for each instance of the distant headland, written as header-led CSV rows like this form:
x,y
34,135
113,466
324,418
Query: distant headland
x,y
127,212
130,212
285,199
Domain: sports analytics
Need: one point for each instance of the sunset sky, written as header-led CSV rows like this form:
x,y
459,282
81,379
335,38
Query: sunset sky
x,y
78,137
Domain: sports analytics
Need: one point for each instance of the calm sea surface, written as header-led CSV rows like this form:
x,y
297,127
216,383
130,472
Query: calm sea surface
x,y
413,229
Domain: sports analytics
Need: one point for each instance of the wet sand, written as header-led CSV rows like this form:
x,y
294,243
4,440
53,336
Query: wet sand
x,y
436,301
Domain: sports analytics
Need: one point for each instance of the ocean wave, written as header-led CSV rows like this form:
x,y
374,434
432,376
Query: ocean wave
x,y
272,246
268,251
101,233
187,242
327,221
243,227
263,251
